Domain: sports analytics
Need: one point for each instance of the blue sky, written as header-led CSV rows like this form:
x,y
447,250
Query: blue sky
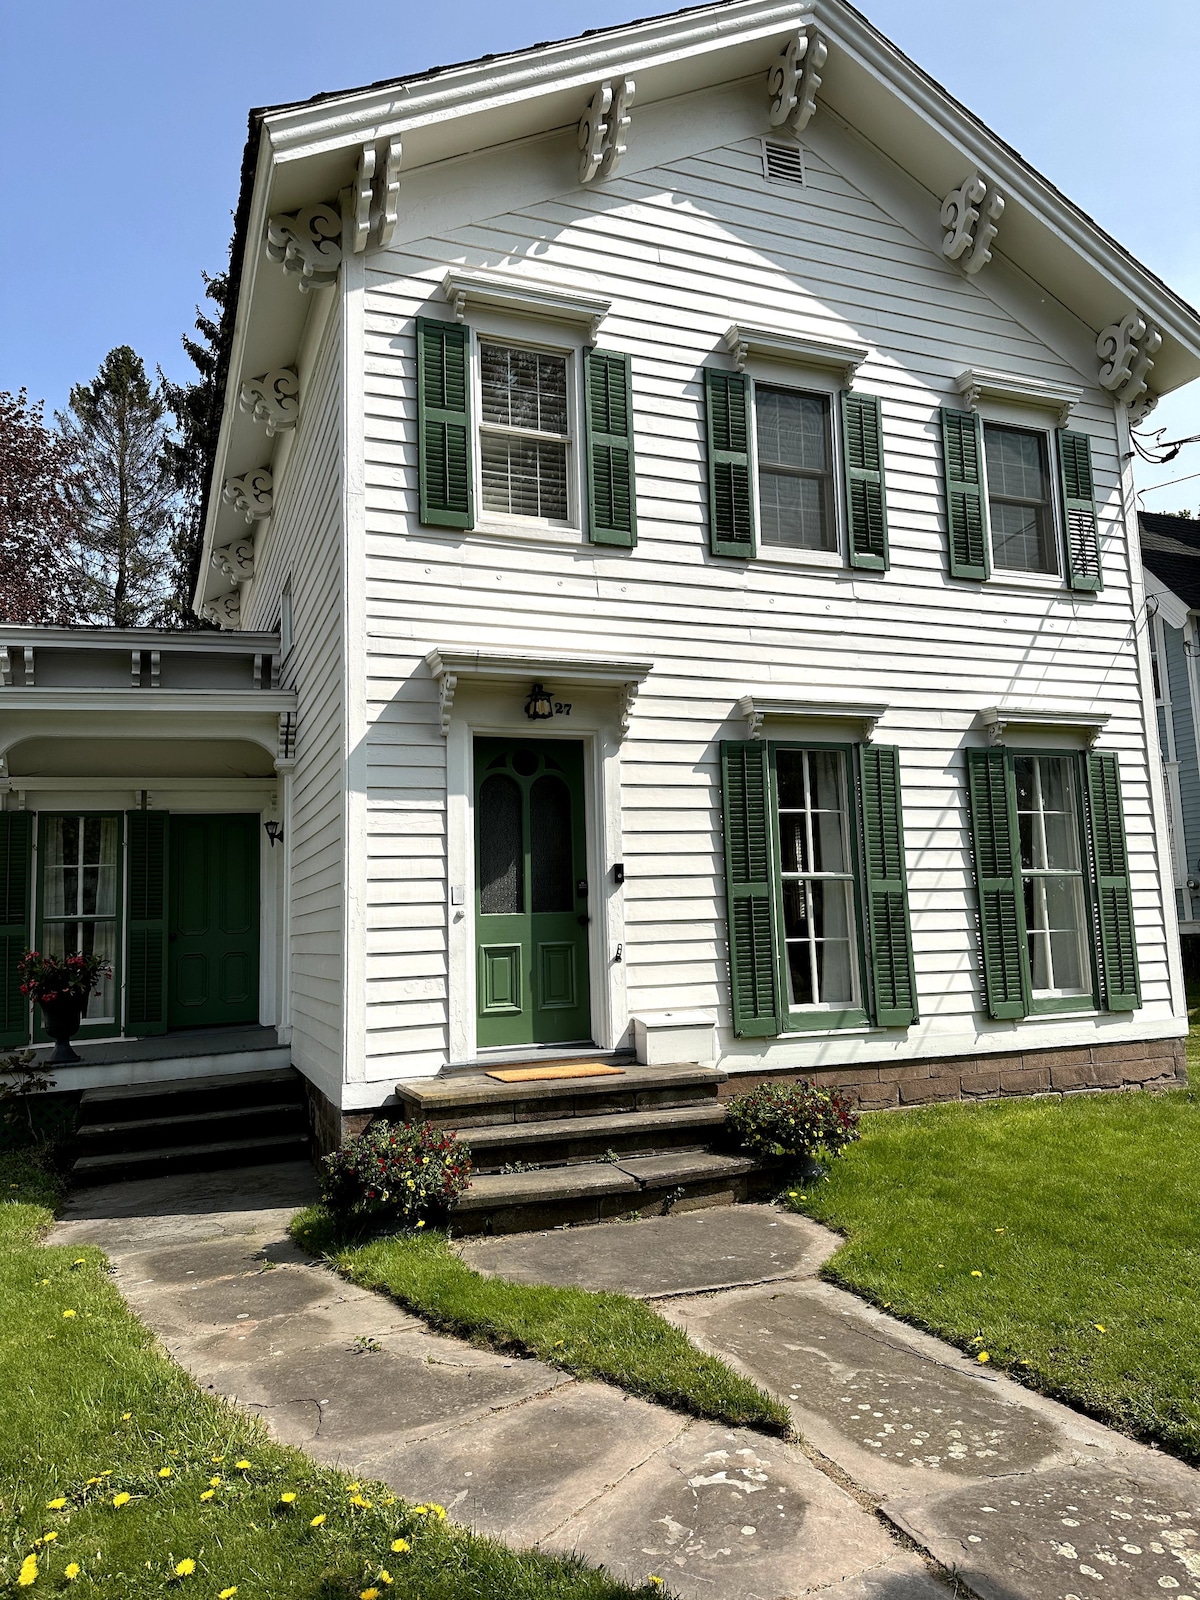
x,y
122,125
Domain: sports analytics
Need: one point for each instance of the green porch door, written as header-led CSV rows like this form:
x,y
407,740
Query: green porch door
x,y
212,944
531,921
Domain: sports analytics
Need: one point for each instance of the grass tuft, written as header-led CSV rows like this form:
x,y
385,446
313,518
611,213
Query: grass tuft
x,y
94,1413
610,1337
1059,1236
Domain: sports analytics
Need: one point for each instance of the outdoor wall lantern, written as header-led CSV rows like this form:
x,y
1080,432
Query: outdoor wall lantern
x,y
274,832
540,705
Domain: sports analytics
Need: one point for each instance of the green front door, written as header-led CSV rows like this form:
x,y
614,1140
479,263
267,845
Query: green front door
x,y
531,893
212,947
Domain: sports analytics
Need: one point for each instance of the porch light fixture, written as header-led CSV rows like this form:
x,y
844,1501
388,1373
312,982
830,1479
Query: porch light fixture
x,y
274,831
539,705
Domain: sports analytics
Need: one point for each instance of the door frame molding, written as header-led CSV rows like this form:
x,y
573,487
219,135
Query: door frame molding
x,y
591,727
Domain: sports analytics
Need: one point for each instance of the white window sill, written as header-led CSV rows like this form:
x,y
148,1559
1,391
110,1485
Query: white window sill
x,y
1053,582
526,532
801,558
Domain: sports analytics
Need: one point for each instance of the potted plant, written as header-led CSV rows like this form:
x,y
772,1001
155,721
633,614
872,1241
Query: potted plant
x,y
61,986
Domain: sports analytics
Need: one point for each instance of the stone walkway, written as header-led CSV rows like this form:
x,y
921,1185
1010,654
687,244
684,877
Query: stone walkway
x,y
1018,1496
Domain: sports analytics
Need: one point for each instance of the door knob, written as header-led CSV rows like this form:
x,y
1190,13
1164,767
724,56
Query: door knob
x,y
583,919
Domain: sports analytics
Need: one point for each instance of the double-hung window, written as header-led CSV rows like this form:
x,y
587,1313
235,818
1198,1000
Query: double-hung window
x,y
794,436
1020,502
816,887
1052,881
80,897
524,433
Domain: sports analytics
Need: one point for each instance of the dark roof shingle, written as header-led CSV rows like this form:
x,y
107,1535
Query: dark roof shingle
x,y
1171,550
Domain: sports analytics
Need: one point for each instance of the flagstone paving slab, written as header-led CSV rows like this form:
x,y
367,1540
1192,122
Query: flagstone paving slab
x,y
716,1248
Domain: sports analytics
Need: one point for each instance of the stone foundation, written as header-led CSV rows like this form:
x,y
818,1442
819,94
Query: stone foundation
x,y
1141,1064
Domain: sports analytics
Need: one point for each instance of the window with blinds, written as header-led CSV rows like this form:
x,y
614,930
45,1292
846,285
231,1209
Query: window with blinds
x,y
524,432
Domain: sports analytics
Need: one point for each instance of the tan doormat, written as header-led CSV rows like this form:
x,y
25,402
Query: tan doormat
x,y
533,1074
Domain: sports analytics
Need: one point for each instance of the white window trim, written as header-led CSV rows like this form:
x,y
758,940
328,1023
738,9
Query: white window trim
x,y
1176,838
1026,580
544,341
803,380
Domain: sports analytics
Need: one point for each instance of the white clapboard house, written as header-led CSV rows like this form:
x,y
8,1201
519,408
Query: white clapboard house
x,y
672,534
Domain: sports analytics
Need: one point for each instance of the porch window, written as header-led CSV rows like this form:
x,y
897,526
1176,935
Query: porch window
x,y
817,884
524,432
80,897
1052,876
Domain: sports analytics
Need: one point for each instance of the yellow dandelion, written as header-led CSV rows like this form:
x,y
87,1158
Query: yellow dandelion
x,y
79,1261
71,1571
357,1500
420,1511
983,1356
214,1482
655,1580
244,1466
977,1274
400,1547
44,1282
353,1486
121,1499
317,1520
388,1500
385,1576
69,1313
185,1568
1100,1328
420,1224
287,1498
218,1459
56,1505
208,1494
369,1594
438,1511
228,1594
28,1573
48,1538
164,1472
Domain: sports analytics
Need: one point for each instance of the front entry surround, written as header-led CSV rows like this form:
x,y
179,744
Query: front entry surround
x,y
485,696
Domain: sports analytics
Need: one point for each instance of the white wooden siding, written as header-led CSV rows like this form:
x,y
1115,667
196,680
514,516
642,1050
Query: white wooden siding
x,y
683,250
304,541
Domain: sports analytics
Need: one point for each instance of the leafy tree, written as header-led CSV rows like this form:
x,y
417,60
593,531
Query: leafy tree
x,y
38,579
121,491
197,410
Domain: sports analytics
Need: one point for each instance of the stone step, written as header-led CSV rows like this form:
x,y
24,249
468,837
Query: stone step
x,y
523,1202
123,1165
570,1140
471,1099
146,1133
180,1097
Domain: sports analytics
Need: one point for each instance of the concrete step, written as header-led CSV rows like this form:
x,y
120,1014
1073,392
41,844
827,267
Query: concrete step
x,y
571,1140
148,1133
471,1099
523,1202
123,1165
179,1097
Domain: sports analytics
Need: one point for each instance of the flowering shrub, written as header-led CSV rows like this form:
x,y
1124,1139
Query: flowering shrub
x,y
792,1120
59,977
396,1171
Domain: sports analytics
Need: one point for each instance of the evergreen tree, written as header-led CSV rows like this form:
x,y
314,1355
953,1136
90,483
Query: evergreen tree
x,y
121,491
197,410
38,579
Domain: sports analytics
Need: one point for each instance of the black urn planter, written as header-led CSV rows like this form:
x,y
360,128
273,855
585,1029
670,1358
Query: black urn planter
x,y
62,1017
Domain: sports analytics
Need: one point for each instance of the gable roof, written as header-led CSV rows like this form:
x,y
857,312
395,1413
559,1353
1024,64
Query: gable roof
x,y
305,151
1171,550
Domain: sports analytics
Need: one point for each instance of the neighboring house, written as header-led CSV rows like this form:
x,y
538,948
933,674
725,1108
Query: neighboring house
x,y
693,594
1171,556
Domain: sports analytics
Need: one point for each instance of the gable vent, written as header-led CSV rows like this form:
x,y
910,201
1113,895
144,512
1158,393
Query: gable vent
x,y
784,163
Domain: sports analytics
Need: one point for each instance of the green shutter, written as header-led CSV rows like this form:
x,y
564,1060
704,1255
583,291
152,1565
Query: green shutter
x,y
146,970
612,513
730,501
1084,570
444,424
1114,902
745,799
889,932
998,883
862,436
966,517
16,862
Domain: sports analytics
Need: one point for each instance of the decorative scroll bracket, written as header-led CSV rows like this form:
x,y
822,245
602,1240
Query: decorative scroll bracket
x,y
997,720
795,78
971,215
1127,350
226,609
375,196
274,399
253,494
307,243
236,560
604,129
285,757
447,684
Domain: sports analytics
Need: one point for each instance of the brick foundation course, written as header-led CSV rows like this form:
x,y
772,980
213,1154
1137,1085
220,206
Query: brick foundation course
x,y
1139,1064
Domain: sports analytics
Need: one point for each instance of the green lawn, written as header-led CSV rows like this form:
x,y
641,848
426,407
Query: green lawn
x,y
117,1473
1060,1238
606,1336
